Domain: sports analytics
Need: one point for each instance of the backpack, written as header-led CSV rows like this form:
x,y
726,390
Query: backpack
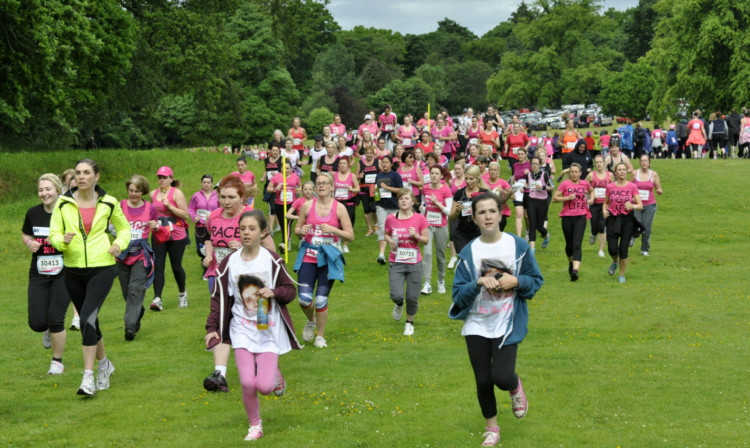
x,y
672,138
626,137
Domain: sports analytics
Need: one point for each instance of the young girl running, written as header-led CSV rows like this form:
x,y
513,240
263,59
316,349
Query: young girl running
x,y
248,310
599,179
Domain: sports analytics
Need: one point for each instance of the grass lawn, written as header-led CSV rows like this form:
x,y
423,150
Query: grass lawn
x,y
661,360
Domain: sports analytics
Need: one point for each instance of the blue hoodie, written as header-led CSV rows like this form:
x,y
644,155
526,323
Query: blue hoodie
x,y
465,288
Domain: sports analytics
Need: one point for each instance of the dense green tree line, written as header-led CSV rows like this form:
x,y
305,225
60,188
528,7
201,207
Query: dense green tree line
x,y
144,73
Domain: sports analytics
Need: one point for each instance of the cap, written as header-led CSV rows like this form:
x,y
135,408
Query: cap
x,y
671,126
588,134
164,171
368,117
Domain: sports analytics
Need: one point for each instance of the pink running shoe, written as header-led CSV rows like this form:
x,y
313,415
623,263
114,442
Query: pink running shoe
x,y
491,436
255,432
519,401
280,384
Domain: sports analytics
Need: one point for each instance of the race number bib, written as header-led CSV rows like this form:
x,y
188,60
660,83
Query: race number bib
x,y
473,141
202,213
370,178
49,264
322,241
434,218
407,142
696,126
312,253
41,232
289,196
570,145
643,194
136,234
385,193
515,150
341,193
600,193
466,208
220,253
297,141
389,127
404,255
270,174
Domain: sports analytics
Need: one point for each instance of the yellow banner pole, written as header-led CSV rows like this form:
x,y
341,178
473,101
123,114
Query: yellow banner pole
x,y
428,117
286,228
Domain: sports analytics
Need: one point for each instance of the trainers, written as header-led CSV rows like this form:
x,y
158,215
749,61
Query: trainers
x,y
320,342
519,401
56,368
381,259
574,275
526,238
182,301
441,287
46,339
644,253
545,243
308,333
254,433
452,262
601,254
75,325
87,385
621,279
592,239
215,382
369,233
102,376
129,334
398,311
408,329
156,304
282,248
491,436
612,268
346,248
426,289
280,384
632,241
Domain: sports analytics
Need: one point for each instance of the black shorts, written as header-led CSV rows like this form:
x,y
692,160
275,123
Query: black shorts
x,y
734,139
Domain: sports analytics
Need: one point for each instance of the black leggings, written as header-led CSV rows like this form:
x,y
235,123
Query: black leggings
x,y
493,366
619,231
175,249
48,302
201,235
285,230
351,209
597,218
573,228
537,210
88,288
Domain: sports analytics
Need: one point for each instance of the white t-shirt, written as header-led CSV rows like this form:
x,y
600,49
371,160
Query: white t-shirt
x,y
242,327
293,158
490,315
316,155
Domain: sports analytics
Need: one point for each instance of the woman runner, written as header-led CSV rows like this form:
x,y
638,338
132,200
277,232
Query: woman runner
x,y
438,201
572,192
621,199
599,179
647,181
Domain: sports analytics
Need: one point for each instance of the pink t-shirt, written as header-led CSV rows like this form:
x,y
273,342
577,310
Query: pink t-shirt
x,y
618,196
645,187
445,132
337,130
433,213
408,248
340,187
317,237
387,123
292,182
408,136
373,128
604,140
247,178
455,187
577,206
222,231
599,186
411,174
502,183
297,204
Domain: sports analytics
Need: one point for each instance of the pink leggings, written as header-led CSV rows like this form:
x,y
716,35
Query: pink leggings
x,y
257,373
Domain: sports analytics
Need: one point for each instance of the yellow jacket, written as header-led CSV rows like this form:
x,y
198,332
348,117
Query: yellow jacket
x,y
88,250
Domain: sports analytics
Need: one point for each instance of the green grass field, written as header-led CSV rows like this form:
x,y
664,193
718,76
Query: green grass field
x,y
659,361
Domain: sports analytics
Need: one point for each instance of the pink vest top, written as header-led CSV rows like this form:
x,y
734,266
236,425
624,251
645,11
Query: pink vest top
x,y
645,188
317,237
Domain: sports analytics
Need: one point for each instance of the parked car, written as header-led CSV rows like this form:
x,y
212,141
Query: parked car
x,y
621,120
605,120
536,124
557,124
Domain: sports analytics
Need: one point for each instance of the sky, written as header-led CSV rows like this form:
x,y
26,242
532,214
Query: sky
x,y
414,17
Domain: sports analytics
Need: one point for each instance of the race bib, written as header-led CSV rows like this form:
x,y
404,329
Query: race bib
x,y
518,196
600,193
643,194
271,174
322,241
289,196
385,193
49,264
136,234
434,218
220,253
202,213
466,210
341,193
370,178
570,145
389,127
407,142
515,150
404,255
473,141
41,231
297,141
696,126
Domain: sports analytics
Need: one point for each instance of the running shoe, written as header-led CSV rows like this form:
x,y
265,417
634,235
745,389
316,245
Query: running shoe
x,y
129,334
491,436
519,401
426,289
138,323
282,248
369,233
320,342
216,382
308,333
254,433
182,301
441,287
545,243
632,241
46,339
601,254
612,268
75,325
644,253
277,229
280,384
398,311
574,275
56,368
156,304
452,262
409,329
381,259
346,248
621,279
570,268
87,385
103,374
527,236
592,239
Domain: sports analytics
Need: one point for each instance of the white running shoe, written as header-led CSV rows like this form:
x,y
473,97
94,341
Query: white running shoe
x,y
491,437
102,376
398,311
75,325
452,262
254,433
156,304
408,329
308,333
441,287
592,239
87,385
601,254
346,248
182,300
46,339
644,253
56,368
426,289
320,342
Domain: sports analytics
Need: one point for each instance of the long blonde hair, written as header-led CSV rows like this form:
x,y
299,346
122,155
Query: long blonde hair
x,y
474,171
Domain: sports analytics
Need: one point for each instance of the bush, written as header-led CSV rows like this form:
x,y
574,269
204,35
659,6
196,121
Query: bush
x,y
317,119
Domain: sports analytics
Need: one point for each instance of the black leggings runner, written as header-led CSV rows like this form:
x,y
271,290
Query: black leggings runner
x,y
48,302
597,218
88,288
175,249
285,230
537,210
619,231
493,366
573,228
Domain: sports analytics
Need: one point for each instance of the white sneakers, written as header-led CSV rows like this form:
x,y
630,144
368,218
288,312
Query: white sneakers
x,y
441,287
75,325
182,300
308,333
426,289
320,342
56,368
452,262
87,385
408,329
601,254
398,311
102,376
156,304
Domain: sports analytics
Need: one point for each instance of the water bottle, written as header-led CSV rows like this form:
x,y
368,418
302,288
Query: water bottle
x,y
262,317
377,193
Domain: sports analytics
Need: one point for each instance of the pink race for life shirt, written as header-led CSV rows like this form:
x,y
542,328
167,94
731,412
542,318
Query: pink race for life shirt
x,y
408,249
502,183
618,196
292,182
222,231
387,123
433,213
315,236
577,206
247,178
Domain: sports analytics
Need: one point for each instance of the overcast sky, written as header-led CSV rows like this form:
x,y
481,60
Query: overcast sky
x,y
419,17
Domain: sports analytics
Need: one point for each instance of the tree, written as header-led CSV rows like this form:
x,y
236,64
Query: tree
x,y
448,26
627,93
411,95
466,85
318,119
351,108
332,67
434,76
376,75
639,29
